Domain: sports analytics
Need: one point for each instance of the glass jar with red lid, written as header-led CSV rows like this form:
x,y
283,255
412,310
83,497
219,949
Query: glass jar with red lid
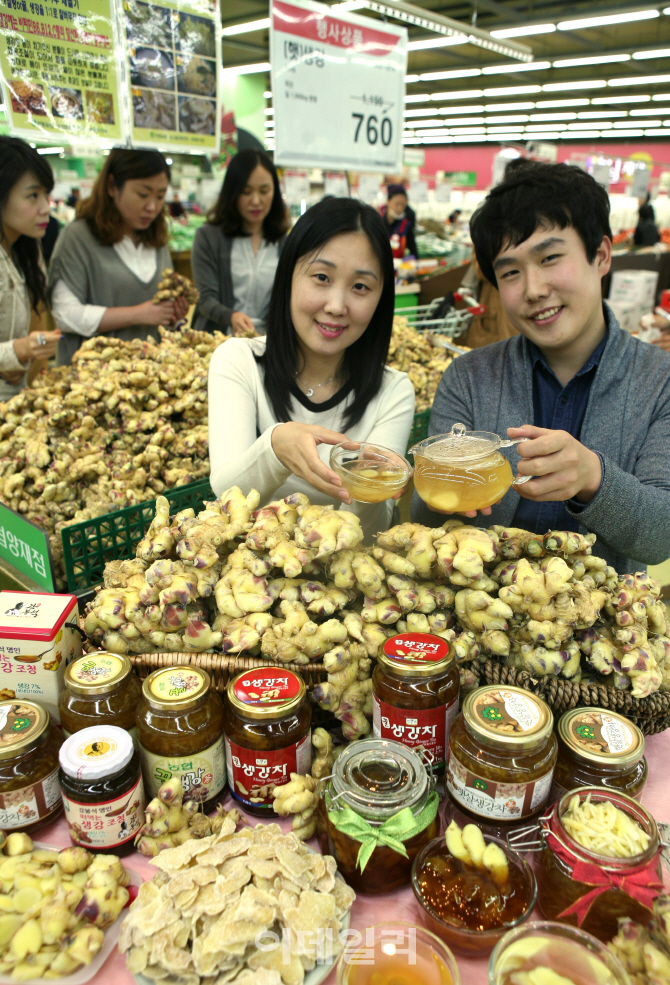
x,y
415,694
267,719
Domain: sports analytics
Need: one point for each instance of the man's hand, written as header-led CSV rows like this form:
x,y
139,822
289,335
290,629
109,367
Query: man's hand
x,y
566,469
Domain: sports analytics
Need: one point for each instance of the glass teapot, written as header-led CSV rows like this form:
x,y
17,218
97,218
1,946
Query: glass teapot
x,y
463,470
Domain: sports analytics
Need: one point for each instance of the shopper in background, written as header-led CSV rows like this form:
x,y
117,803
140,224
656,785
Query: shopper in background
x,y
278,404
494,324
25,182
72,201
235,255
175,208
107,264
50,236
646,232
455,218
595,399
399,224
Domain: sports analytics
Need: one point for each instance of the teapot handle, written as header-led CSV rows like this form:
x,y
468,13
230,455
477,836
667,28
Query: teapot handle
x,y
509,443
520,479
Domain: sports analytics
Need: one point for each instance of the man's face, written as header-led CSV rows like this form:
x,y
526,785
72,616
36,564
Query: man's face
x,y
549,290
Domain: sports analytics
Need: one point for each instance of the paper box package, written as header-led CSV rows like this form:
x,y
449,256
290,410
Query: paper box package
x,y
635,287
627,313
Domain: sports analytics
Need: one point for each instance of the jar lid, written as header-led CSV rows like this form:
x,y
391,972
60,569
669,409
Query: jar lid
x,y
458,446
507,717
416,655
96,673
176,688
22,725
266,692
95,752
601,737
376,778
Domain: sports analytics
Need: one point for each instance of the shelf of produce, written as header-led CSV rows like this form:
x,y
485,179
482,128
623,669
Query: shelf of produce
x,y
400,905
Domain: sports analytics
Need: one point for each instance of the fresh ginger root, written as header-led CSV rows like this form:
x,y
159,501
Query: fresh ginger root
x,y
322,761
158,541
348,689
418,543
174,285
170,820
327,530
464,550
515,543
298,797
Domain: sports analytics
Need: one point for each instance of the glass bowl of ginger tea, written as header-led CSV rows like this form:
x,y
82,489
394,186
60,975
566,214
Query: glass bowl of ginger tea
x,y
463,470
370,473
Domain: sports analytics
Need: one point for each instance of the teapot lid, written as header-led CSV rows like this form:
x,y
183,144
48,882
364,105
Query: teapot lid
x,y
459,445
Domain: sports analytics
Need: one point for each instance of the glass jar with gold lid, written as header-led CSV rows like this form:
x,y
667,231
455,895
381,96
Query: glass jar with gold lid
x,y
376,812
100,689
502,753
29,790
267,722
415,694
599,748
180,730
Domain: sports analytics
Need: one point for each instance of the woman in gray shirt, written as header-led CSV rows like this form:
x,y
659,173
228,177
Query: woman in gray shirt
x,y
235,255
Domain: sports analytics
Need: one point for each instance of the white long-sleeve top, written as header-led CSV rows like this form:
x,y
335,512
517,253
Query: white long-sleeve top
x,y
241,422
14,313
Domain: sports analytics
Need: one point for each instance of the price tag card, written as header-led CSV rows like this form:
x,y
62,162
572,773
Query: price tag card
x,y
418,192
368,187
338,84
296,187
335,184
443,191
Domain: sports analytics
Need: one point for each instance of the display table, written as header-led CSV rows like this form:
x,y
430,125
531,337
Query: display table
x,y
400,905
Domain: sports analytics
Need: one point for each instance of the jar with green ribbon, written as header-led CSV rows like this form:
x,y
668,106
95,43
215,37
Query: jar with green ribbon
x,y
376,812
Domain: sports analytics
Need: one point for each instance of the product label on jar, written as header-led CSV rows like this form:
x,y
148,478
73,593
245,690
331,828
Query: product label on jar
x,y
489,798
19,808
202,774
267,686
416,648
132,732
428,727
599,733
253,774
108,824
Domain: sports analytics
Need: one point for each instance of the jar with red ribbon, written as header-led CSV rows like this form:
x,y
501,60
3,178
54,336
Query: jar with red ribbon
x,y
586,889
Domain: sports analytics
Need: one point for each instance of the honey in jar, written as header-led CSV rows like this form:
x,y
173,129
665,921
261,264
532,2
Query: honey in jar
x,y
415,694
100,689
267,722
30,794
376,779
502,753
599,748
180,729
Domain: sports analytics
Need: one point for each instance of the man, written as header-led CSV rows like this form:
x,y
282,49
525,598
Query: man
x,y
598,399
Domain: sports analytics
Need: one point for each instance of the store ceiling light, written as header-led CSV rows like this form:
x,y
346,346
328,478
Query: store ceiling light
x,y
416,99
512,91
258,25
444,110
463,121
566,86
640,80
590,60
551,117
269,123
624,133
441,97
506,107
269,111
515,67
661,97
603,100
431,132
435,43
411,78
561,103
579,135
456,73
474,139
656,53
508,119
506,129
427,123
456,131
601,114
546,126
652,111
589,126
250,69
582,23
656,133
267,95
50,150
523,31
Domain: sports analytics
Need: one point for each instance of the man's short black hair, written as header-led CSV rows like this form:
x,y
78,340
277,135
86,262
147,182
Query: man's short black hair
x,y
534,194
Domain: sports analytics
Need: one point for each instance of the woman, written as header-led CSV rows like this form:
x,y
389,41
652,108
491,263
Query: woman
x,y
107,264
646,232
399,222
25,182
235,255
277,405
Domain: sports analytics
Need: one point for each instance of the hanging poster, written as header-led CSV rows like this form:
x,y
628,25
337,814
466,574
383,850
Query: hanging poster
x,y
59,70
338,83
172,51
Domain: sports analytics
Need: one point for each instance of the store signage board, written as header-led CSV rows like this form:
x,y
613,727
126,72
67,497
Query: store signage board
x,y
59,70
461,179
26,548
172,51
338,83
640,183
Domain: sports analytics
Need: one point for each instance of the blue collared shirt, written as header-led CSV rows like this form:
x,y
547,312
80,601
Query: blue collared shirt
x,y
559,408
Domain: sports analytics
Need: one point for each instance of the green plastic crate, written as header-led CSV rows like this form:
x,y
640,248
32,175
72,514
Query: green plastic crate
x,y
89,545
419,427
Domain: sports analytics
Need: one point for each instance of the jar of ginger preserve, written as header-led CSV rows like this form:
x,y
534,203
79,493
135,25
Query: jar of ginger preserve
x,y
502,753
100,689
415,694
267,721
30,794
180,730
601,748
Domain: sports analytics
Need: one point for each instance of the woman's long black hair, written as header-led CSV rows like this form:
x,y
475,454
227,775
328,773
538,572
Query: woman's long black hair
x,y
16,159
364,361
226,213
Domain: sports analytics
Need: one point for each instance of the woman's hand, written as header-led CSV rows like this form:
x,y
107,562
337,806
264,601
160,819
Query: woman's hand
x,y
14,378
37,345
243,327
295,445
149,313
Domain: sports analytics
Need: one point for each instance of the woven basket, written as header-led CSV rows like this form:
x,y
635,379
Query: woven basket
x,y
220,667
651,715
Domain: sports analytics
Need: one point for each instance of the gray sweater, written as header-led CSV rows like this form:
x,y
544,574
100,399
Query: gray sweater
x,y
210,263
627,420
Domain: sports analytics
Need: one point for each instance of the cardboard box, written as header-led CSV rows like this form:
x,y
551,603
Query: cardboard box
x,y
627,313
636,287
39,636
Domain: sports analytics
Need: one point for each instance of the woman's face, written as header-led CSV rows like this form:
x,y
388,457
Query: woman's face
x,y
396,206
26,211
255,202
334,294
139,200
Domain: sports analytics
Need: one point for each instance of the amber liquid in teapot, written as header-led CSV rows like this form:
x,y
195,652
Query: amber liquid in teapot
x,y
457,488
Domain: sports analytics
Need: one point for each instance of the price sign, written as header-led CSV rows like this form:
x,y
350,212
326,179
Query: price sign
x,y
336,184
418,192
601,174
368,187
26,548
640,182
338,84
296,187
443,191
